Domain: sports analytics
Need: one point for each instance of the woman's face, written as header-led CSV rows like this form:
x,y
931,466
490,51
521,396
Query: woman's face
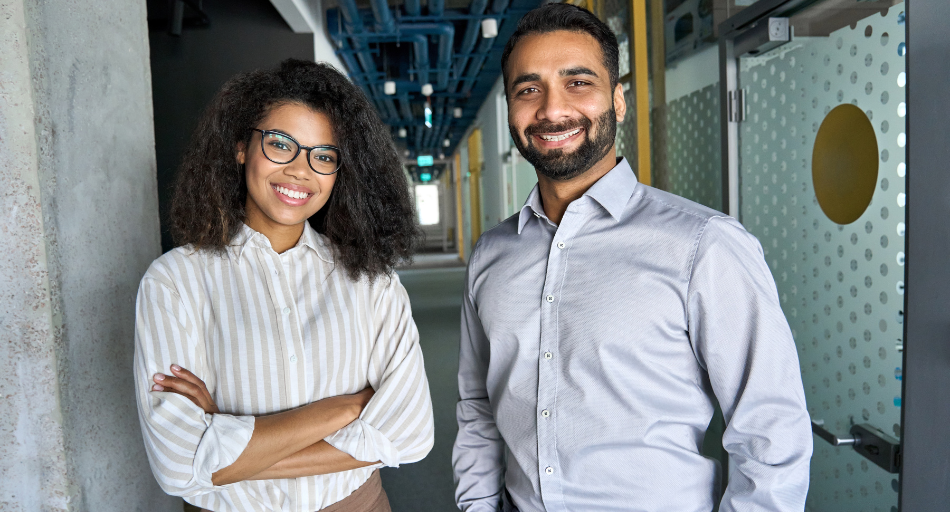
x,y
286,195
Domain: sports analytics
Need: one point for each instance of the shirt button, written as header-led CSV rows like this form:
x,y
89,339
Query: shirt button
x,y
293,358
545,413
549,470
536,214
286,311
276,272
550,298
548,355
561,245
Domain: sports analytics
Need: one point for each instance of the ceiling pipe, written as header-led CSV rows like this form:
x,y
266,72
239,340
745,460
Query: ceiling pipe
x,y
404,107
471,35
420,48
353,23
420,131
404,31
413,8
384,17
436,7
497,7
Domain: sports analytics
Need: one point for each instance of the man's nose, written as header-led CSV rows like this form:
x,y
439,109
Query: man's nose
x,y
555,106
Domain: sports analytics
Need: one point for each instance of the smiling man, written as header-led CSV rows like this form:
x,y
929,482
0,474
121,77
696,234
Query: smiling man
x,y
600,322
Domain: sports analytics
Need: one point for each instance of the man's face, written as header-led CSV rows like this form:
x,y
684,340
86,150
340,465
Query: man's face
x,y
562,111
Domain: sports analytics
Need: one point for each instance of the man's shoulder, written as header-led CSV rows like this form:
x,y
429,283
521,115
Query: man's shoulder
x,y
676,207
499,235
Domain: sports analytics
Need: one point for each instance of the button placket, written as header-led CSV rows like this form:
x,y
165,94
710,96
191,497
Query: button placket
x,y
548,372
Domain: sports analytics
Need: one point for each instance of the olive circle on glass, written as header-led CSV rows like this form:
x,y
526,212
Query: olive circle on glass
x,y
845,164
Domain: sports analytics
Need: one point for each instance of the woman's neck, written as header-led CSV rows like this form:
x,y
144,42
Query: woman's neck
x,y
282,237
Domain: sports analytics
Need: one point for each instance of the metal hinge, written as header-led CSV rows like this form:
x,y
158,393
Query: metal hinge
x,y
736,105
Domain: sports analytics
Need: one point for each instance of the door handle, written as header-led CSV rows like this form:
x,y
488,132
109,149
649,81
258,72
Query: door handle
x,y
869,441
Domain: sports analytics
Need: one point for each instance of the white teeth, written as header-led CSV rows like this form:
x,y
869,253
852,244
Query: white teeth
x,y
555,138
292,193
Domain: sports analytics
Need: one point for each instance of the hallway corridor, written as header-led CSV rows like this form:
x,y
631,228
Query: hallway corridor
x,y
435,295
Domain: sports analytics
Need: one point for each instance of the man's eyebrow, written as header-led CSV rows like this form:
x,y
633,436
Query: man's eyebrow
x,y
527,77
580,70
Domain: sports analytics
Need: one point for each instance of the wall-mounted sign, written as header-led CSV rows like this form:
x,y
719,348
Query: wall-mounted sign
x,y
424,160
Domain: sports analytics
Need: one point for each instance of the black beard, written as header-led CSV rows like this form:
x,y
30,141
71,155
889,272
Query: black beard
x,y
558,165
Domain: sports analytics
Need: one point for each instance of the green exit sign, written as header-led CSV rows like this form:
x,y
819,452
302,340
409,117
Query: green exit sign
x,y
425,177
424,160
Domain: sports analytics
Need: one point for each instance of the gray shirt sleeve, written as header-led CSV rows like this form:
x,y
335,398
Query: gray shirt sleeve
x,y
741,338
479,455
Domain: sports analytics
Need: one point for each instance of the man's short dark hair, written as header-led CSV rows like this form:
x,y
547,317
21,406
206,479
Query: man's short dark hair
x,y
554,17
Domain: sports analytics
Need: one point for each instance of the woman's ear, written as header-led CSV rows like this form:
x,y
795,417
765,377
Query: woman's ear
x,y
240,153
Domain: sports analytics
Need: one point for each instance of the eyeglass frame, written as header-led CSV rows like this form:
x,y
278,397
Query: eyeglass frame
x,y
299,147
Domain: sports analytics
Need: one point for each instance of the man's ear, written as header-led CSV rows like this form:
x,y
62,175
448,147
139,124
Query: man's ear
x,y
620,104
240,153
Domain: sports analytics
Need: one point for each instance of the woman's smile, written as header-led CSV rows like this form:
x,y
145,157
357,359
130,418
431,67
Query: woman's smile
x,y
292,195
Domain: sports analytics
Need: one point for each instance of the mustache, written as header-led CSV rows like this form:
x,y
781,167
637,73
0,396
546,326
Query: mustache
x,y
549,127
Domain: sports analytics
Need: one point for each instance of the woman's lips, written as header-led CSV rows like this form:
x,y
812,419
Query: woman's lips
x,y
291,195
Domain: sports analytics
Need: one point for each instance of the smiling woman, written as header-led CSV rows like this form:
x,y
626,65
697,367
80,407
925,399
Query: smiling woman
x,y
277,364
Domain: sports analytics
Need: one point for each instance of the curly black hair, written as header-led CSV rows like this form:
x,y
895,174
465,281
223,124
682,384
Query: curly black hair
x,y
369,216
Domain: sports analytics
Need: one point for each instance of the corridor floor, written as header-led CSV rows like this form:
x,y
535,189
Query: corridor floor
x,y
436,298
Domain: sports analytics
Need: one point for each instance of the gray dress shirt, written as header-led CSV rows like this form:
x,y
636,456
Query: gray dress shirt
x,y
591,350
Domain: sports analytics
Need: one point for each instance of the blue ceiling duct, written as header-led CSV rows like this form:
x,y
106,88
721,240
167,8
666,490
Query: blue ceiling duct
x,y
396,47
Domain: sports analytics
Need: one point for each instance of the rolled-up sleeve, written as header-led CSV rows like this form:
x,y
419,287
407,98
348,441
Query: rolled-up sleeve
x,y
742,338
479,455
185,446
396,426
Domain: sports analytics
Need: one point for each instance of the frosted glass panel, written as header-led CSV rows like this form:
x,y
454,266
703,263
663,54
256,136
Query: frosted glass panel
x,y
840,285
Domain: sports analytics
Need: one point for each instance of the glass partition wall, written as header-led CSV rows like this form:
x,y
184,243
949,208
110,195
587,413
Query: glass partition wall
x,y
790,116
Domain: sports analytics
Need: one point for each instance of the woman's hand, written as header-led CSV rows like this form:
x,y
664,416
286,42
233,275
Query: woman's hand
x,y
187,385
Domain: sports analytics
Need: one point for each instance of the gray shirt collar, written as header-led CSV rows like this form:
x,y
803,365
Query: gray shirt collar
x,y
612,192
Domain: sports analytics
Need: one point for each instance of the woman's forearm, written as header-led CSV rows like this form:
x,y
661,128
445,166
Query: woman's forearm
x,y
279,436
317,459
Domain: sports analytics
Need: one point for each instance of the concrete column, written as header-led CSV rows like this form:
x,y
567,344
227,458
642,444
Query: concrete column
x,y
78,227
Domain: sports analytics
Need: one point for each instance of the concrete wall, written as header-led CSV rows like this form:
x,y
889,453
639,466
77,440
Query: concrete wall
x,y
78,228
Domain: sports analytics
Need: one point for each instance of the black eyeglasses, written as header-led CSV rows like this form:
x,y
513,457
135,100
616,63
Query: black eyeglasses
x,y
281,148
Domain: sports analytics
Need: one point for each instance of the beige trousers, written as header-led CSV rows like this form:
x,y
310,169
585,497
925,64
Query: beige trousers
x,y
370,497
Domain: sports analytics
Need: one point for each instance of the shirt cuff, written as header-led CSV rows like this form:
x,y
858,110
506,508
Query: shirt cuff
x,y
365,443
222,443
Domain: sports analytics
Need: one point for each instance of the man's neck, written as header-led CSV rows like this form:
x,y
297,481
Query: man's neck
x,y
557,195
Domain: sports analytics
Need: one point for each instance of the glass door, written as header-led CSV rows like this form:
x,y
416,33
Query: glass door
x,y
816,144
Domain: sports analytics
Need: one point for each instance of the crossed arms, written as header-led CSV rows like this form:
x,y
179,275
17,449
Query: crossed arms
x,y
194,449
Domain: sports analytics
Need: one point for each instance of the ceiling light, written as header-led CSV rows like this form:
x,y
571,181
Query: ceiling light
x,y
446,142
389,87
406,153
489,28
427,90
441,156
457,112
402,133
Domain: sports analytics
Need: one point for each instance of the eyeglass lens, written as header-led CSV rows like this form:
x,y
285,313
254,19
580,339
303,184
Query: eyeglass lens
x,y
282,149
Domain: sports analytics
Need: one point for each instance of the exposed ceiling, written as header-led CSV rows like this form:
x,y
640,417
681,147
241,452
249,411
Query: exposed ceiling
x,y
411,45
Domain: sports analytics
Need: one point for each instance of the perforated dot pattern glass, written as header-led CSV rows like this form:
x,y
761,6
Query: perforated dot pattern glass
x,y
840,286
693,147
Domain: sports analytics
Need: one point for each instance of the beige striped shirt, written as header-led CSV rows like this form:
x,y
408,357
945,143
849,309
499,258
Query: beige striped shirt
x,y
268,332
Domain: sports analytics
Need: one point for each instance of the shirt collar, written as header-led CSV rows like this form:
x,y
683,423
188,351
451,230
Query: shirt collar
x,y
612,191
247,236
